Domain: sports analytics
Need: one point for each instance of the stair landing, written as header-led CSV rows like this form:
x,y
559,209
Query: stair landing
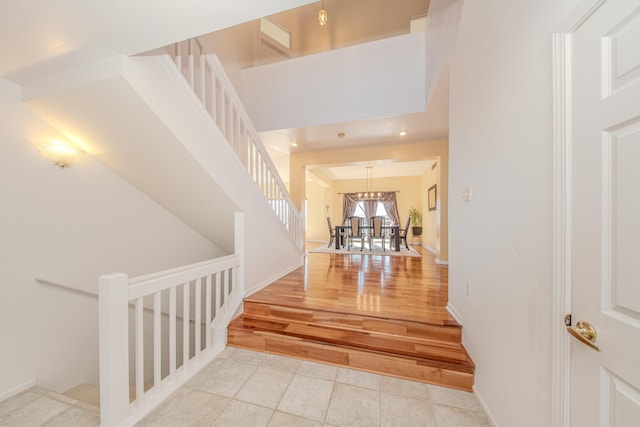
x,y
375,313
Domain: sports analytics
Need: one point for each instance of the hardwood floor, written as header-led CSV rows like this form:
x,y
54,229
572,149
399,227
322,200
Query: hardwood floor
x,y
389,287
384,314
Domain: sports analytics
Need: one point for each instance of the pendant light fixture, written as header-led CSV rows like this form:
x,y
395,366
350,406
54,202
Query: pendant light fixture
x,y
369,194
322,15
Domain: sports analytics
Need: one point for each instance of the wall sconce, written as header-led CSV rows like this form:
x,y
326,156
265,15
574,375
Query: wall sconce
x,y
62,154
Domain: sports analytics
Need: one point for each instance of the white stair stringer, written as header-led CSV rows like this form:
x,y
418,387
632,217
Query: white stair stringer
x,y
263,228
143,121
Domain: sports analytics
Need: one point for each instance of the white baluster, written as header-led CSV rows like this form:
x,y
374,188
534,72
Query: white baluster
x,y
252,161
208,313
157,344
172,333
203,80
185,325
223,111
227,304
191,76
198,319
214,96
231,124
139,340
220,298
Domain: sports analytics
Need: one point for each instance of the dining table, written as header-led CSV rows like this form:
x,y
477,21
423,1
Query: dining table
x,y
395,234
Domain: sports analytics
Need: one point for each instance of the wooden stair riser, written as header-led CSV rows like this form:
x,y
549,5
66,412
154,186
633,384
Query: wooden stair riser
x,y
443,333
404,367
381,342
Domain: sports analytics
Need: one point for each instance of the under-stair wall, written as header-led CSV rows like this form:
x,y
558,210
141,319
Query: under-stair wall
x,y
68,226
143,120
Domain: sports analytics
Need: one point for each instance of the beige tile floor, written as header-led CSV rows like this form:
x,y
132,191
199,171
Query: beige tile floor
x,y
253,389
39,407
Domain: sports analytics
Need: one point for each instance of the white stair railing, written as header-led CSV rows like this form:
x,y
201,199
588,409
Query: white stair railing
x,y
201,297
207,78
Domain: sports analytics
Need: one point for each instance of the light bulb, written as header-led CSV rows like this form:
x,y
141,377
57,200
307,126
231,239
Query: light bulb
x,y
323,17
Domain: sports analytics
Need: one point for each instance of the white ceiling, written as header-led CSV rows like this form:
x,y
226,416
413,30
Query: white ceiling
x,y
379,169
41,37
433,124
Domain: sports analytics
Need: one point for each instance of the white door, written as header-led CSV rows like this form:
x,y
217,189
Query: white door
x,y
605,215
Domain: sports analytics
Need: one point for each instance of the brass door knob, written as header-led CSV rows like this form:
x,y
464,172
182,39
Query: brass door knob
x,y
585,332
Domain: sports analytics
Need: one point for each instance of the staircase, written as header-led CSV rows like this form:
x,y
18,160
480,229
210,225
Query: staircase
x,y
430,353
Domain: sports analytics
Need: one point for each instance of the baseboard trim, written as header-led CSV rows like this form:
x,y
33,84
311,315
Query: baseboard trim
x,y
484,407
433,251
18,389
455,313
429,248
273,278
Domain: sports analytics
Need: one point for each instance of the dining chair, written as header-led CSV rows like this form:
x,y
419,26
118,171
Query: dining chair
x,y
332,232
376,231
354,230
404,233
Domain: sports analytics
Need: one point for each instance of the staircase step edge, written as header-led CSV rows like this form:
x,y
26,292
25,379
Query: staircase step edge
x,y
452,324
430,342
466,365
447,377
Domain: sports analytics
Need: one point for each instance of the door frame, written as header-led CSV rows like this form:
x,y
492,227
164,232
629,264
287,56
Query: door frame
x,y
562,83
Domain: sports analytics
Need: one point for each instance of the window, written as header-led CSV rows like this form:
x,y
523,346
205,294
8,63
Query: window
x,y
380,211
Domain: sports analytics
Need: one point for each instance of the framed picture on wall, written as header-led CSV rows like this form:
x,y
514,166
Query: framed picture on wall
x,y
432,197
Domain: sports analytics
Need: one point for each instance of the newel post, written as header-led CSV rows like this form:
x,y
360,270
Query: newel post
x,y
113,327
239,250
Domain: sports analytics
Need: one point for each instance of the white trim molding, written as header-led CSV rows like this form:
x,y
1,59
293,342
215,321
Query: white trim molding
x,y
561,231
273,278
430,249
455,313
434,252
18,389
561,364
484,406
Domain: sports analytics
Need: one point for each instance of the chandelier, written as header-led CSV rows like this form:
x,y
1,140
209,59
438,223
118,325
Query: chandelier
x,y
369,194
322,15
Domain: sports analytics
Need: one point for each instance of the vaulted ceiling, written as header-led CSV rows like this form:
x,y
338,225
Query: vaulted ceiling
x,y
350,22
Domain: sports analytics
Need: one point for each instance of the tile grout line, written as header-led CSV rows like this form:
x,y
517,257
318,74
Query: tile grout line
x,y
333,389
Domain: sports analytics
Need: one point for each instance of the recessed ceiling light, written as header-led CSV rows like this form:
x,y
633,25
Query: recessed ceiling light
x,y
294,144
341,135
403,133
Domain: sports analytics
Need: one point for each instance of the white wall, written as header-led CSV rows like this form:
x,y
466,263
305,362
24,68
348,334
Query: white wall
x,y
501,242
70,226
376,79
234,47
270,252
440,39
431,219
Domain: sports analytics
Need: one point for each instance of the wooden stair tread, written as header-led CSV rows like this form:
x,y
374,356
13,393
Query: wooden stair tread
x,y
446,352
379,314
